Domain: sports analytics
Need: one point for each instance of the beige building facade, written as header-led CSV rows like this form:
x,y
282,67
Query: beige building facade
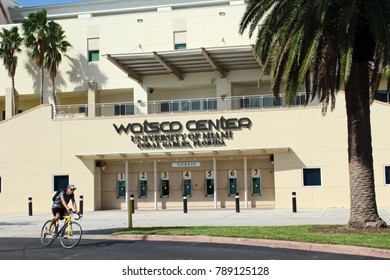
x,y
159,100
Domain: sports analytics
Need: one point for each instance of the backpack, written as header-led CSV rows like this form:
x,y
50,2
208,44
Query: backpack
x,y
55,195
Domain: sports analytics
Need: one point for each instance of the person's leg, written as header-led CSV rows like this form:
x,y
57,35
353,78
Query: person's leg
x,y
57,216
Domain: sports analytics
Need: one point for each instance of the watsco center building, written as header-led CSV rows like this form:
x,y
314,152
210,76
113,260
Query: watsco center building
x,y
160,99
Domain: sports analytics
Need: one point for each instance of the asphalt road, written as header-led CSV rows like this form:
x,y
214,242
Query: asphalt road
x,y
103,249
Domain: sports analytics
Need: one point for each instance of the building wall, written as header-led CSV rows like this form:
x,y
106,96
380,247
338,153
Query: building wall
x,y
41,147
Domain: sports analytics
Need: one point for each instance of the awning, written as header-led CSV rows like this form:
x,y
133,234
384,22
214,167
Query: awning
x,y
151,155
180,62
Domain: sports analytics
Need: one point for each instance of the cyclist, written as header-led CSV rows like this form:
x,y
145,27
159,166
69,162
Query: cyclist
x,y
60,206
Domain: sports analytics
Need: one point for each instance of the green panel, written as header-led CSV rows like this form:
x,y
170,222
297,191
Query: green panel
x,y
233,186
143,189
209,187
187,187
256,186
164,188
121,189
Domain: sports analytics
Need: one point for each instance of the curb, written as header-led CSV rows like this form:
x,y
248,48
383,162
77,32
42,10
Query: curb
x,y
305,246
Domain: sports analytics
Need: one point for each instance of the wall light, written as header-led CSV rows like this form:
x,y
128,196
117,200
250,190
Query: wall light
x,y
140,20
222,14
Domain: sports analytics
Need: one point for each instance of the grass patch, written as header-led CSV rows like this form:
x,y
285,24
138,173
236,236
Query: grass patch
x,y
335,234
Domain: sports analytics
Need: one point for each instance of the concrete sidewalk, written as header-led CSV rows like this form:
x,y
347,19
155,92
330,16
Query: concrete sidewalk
x,y
100,224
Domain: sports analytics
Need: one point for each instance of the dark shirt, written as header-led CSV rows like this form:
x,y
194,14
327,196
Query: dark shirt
x,y
57,202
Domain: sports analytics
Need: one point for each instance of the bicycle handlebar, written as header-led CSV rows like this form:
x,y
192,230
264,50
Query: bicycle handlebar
x,y
71,212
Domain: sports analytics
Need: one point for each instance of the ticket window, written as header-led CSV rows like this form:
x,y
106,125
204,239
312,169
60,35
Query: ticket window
x,y
187,184
209,186
142,185
121,186
256,182
233,183
164,184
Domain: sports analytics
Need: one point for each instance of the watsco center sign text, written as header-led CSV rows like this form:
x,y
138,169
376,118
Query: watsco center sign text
x,y
198,133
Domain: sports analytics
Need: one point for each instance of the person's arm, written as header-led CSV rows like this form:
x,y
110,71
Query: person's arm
x,y
74,204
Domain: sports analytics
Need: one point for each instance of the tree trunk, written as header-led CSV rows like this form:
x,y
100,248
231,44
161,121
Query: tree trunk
x,y
364,212
14,105
54,97
42,79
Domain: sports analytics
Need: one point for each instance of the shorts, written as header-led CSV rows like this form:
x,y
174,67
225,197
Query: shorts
x,y
62,212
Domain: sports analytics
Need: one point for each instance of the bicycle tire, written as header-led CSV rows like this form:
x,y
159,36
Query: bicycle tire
x,y
71,235
45,238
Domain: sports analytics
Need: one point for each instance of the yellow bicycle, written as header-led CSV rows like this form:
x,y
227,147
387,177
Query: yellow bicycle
x,y
70,232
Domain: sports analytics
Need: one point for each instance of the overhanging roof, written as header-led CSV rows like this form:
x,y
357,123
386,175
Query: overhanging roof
x,y
180,62
181,154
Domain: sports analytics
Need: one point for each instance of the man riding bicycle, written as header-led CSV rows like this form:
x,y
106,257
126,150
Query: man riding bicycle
x,y
60,206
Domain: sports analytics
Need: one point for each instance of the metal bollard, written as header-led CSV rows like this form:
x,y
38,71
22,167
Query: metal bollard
x,y
294,202
185,204
130,213
81,204
132,203
30,210
237,203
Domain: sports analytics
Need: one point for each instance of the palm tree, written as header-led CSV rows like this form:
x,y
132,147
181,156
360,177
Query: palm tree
x,y
35,39
329,45
9,47
56,44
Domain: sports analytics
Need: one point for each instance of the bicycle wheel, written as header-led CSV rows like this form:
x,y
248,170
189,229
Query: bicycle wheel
x,y
71,235
47,239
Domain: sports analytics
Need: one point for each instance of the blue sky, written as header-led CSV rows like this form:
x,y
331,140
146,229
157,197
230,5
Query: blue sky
x,y
26,3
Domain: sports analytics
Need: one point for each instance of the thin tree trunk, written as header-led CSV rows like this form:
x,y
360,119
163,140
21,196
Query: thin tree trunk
x,y
42,79
364,212
54,97
14,107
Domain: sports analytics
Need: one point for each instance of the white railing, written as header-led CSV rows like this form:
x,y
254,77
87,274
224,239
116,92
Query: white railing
x,y
178,106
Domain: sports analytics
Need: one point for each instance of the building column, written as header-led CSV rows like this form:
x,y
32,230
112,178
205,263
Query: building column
x,y
246,181
224,93
127,183
93,99
155,182
215,183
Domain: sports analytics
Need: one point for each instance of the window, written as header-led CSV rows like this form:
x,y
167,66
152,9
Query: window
x,y
180,40
387,175
210,104
93,56
312,177
0,184
60,182
93,49
124,109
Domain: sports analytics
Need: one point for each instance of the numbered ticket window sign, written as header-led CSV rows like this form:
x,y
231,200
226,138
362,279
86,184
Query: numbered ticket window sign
x,y
209,174
121,177
232,183
187,175
255,173
143,176
164,184
187,184
164,175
